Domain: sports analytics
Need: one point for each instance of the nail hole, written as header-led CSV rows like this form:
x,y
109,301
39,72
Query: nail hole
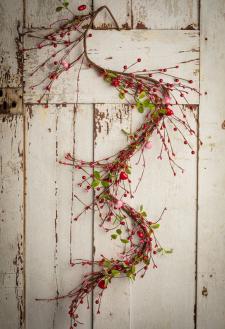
x,y
5,105
13,104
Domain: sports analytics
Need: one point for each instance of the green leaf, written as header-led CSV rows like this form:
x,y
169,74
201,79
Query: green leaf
x,y
115,273
155,226
121,95
144,214
107,263
95,183
146,103
124,240
107,280
111,74
58,9
97,174
133,269
128,171
105,183
141,207
142,94
105,196
66,4
162,111
168,251
140,108
151,107
118,231
131,276
114,236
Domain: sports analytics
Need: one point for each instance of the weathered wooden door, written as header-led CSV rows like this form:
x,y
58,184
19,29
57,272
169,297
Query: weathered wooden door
x,y
37,204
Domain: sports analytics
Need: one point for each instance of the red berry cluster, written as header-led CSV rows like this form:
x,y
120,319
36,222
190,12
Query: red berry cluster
x,y
152,92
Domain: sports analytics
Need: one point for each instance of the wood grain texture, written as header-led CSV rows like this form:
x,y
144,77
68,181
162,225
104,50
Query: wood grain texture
x,y
11,222
121,11
42,13
211,227
156,48
11,17
164,299
159,299
165,14
52,237
115,308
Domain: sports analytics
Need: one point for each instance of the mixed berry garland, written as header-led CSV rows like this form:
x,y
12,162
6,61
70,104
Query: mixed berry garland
x,y
110,178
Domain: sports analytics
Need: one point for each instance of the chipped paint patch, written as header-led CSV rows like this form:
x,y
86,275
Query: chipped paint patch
x,y
11,101
141,26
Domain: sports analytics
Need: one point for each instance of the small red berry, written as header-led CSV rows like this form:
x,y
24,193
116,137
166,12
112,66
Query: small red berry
x,y
169,112
115,82
190,81
125,67
192,152
139,60
176,80
102,284
123,175
83,177
82,7
140,234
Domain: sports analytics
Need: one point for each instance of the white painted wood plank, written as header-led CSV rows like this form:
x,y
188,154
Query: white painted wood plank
x,y
165,14
156,48
51,208
121,10
159,299
115,306
11,222
11,16
211,231
43,12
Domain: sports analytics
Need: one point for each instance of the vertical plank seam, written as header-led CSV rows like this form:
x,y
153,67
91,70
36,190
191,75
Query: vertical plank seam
x,y
197,178
24,172
55,256
131,15
93,218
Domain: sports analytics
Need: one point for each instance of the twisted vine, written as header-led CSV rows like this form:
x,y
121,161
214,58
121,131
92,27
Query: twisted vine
x,y
110,177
